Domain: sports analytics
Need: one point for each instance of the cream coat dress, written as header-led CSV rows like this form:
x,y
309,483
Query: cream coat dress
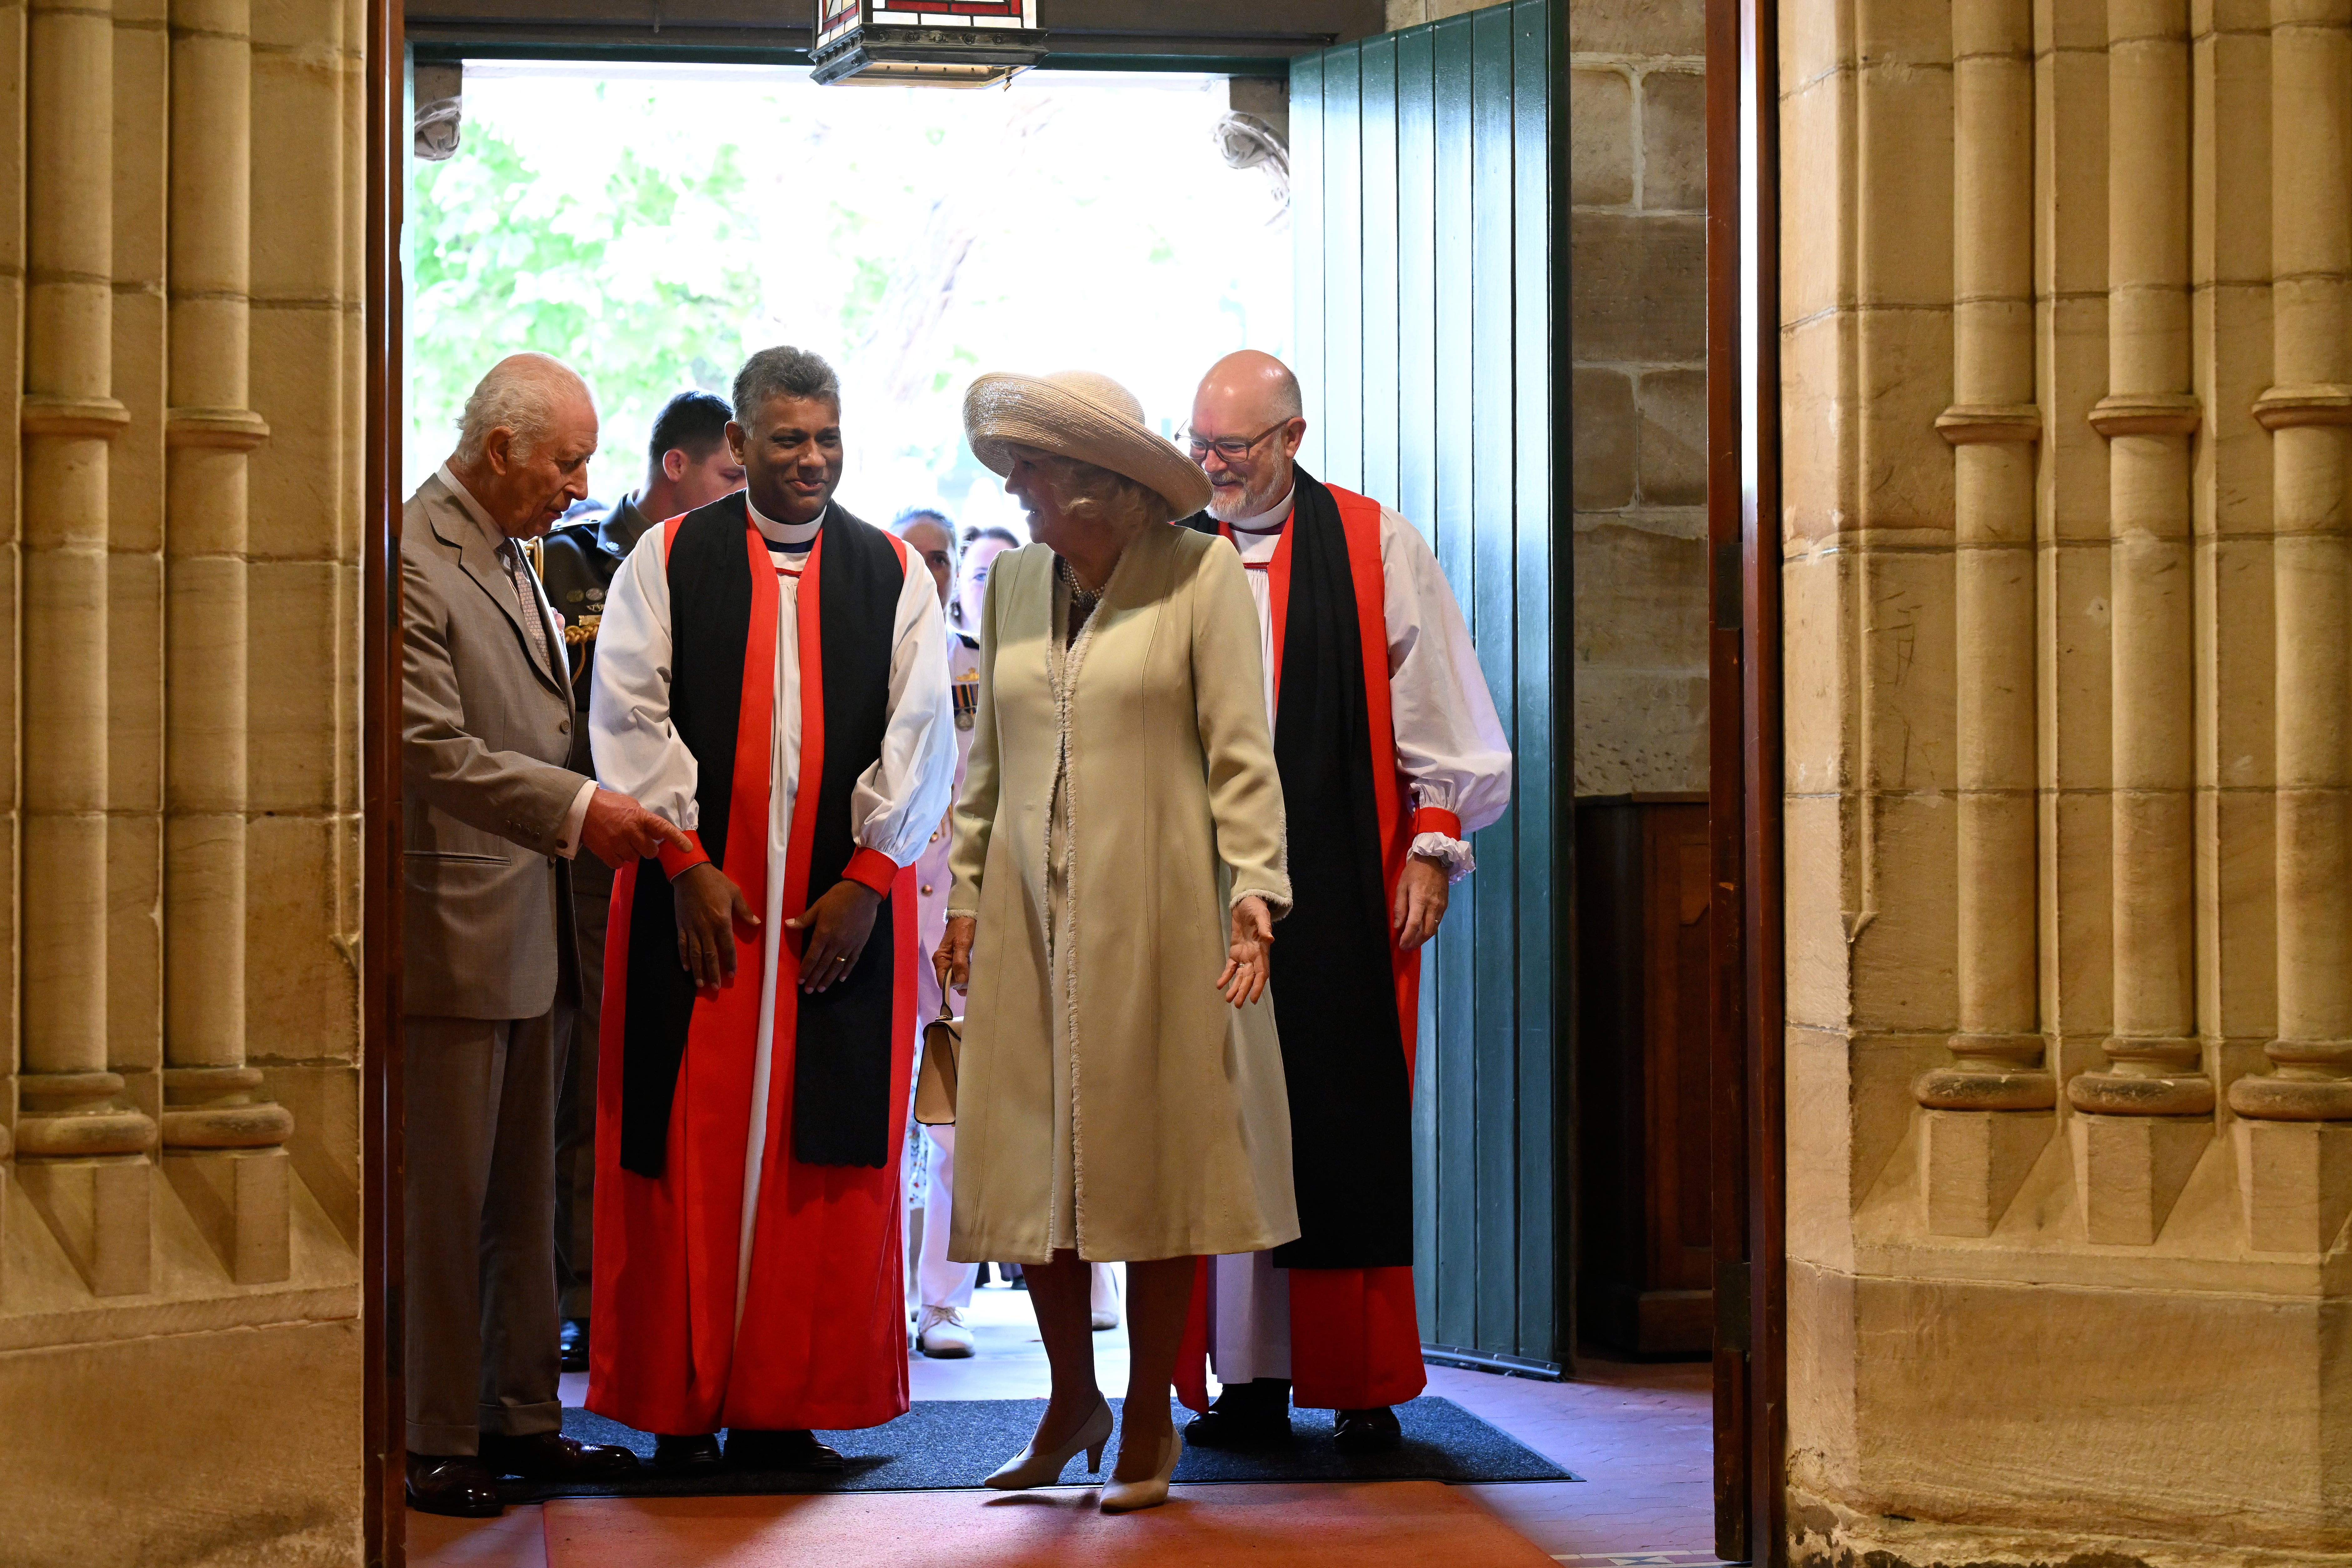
x,y
1110,1099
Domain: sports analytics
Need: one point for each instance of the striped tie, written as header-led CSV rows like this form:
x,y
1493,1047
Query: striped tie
x,y
526,596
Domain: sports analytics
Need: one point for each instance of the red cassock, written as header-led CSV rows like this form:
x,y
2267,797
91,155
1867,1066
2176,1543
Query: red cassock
x,y
1355,1338
822,1334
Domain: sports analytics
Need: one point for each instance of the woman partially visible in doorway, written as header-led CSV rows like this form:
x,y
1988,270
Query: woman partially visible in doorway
x,y
1118,866
980,549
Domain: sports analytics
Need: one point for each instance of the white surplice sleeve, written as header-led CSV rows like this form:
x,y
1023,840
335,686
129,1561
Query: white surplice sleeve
x,y
637,749
899,800
1449,743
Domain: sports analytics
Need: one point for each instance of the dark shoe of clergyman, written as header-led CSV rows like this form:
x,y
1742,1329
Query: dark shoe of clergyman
x,y
454,1484
747,1449
1255,1415
573,1337
695,1455
552,1456
1373,1431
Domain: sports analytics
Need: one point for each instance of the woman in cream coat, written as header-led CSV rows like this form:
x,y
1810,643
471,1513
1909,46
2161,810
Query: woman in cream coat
x,y
1118,862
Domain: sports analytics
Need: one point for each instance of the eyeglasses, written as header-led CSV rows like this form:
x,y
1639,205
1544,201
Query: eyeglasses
x,y
1229,447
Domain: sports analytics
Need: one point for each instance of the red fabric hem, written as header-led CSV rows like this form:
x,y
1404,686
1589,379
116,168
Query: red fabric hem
x,y
1355,1339
1191,1378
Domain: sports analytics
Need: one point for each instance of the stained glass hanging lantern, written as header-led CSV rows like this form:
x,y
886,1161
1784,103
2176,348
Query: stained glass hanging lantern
x,y
933,43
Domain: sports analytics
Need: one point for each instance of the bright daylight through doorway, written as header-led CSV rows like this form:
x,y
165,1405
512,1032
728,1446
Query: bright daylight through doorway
x,y
652,224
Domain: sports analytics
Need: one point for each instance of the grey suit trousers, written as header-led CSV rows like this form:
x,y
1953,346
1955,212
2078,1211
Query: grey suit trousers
x,y
479,1288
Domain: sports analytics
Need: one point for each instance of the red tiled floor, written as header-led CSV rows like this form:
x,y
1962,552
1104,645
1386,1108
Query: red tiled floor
x,y
1394,1524
1641,1437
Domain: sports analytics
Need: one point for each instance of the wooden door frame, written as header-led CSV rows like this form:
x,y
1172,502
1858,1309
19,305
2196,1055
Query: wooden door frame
x,y
384,1447
1748,1204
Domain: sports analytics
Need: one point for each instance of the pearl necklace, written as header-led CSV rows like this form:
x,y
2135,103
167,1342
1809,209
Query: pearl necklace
x,y
1088,597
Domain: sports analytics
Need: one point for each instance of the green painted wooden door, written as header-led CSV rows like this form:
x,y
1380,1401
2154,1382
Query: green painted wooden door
x,y
1431,294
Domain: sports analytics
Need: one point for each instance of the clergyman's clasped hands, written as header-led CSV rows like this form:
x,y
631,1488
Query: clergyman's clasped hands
x,y
713,918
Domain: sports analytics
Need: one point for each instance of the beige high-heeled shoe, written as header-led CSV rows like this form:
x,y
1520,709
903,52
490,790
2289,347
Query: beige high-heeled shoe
x,y
1031,1469
1126,1497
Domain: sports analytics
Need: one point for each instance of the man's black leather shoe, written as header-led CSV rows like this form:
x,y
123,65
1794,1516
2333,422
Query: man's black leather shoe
x,y
454,1484
552,1456
1373,1431
695,1455
1255,1415
572,1338
747,1449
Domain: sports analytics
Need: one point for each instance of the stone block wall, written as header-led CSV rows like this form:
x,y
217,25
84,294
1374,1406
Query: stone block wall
x,y
1637,303
1636,116
2066,391
180,244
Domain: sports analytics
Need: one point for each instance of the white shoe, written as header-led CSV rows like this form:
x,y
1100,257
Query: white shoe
x,y
940,1333
1126,1497
1031,1469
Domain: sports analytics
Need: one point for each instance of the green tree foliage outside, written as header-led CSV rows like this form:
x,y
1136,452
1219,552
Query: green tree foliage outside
x,y
649,230
632,279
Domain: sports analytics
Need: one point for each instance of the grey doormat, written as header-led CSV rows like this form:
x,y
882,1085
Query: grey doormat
x,y
948,1444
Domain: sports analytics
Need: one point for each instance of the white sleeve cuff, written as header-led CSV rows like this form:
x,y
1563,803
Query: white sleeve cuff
x,y
576,818
1450,853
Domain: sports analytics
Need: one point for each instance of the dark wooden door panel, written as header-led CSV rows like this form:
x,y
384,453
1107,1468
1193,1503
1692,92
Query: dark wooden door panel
x,y
1646,1275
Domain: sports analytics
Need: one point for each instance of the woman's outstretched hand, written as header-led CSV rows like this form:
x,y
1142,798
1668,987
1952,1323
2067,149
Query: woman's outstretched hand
x,y
1243,979
952,962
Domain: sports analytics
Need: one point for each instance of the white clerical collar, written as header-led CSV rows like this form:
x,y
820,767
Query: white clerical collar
x,y
791,535
1269,520
492,534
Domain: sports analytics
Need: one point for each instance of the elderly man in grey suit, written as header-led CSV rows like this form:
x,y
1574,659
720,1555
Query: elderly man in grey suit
x,y
492,818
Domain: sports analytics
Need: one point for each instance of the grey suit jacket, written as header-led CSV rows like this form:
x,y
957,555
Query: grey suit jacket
x,y
486,728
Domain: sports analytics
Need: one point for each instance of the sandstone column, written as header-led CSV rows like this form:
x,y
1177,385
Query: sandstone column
x,y
2148,1114
80,1147
224,1145
1988,1114
2295,1168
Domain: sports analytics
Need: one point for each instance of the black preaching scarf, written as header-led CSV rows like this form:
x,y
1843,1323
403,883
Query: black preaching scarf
x,y
1332,968
841,1083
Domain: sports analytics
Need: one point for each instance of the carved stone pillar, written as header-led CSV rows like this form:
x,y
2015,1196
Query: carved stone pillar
x,y
82,1149
2294,1150
222,1142
1990,1113
2147,1116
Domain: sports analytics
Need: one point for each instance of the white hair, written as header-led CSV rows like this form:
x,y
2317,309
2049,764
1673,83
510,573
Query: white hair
x,y
524,393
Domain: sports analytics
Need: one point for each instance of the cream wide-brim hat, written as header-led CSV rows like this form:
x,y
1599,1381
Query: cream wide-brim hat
x,y
1078,413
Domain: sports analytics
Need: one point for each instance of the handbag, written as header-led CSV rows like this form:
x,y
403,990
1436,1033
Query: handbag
x,y
935,1089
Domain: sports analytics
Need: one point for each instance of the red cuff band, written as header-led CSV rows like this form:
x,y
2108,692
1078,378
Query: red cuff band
x,y
1429,819
674,860
871,869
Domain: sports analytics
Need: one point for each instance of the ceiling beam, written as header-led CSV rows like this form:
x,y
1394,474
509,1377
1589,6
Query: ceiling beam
x,y
1230,36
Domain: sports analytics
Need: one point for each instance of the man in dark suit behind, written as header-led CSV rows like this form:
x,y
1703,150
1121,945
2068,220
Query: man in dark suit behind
x,y
491,819
687,465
